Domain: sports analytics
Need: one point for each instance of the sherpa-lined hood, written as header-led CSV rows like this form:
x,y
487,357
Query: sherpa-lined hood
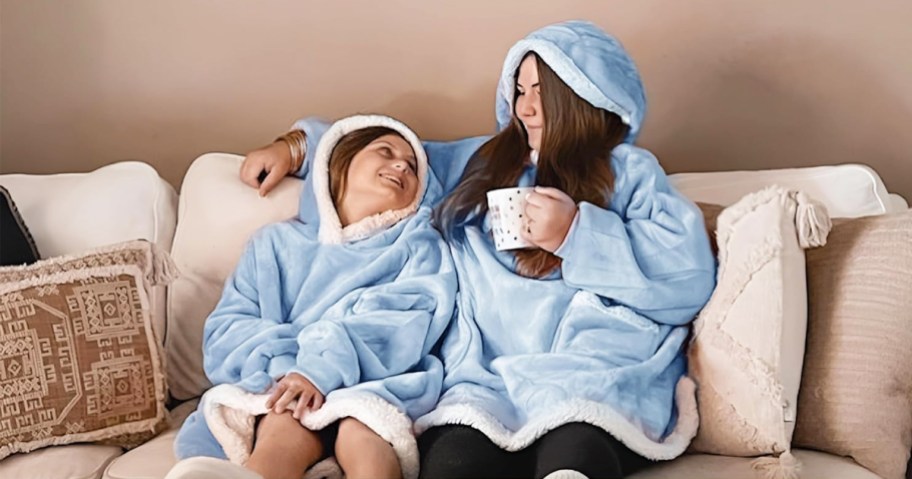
x,y
589,61
320,199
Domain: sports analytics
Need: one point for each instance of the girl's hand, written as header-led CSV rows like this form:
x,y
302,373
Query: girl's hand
x,y
549,212
274,159
295,386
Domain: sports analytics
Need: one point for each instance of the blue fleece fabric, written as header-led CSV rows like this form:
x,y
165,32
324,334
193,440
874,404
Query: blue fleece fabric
x,y
601,340
362,315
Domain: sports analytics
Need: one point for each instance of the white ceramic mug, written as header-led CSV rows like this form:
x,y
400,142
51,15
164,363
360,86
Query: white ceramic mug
x,y
506,207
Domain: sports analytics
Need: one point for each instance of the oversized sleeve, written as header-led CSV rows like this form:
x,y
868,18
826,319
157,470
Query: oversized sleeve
x,y
382,330
648,250
246,339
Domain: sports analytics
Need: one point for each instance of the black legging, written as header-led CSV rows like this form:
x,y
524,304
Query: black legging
x,y
451,452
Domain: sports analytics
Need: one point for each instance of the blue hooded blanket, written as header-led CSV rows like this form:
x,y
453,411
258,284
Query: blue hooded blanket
x,y
356,310
600,341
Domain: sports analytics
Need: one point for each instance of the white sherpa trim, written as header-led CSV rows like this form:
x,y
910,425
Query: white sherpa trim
x,y
230,413
579,410
566,474
331,230
564,67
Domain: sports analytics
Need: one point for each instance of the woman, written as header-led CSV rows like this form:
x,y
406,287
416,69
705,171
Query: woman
x,y
343,303
568,355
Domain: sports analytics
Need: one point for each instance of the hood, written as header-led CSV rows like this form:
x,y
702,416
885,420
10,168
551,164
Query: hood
x,y
318,198
589,61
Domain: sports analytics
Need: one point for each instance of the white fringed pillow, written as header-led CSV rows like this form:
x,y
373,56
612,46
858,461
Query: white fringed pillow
x,y
747,348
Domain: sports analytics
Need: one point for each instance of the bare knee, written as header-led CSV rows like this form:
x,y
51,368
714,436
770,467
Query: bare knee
x,y
283,447
363,453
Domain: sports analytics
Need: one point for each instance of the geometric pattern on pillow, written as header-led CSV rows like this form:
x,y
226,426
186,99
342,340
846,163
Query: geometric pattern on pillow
x,y
79,360
856,392
747,346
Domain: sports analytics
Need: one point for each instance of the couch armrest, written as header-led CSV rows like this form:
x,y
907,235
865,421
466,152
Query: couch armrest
x,y
69,213
848,191
897,204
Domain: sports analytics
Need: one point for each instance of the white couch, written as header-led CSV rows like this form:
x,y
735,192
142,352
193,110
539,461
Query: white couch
x,y
205,229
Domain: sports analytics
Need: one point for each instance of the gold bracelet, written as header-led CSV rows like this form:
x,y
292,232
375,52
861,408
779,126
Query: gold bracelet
x,y
297,145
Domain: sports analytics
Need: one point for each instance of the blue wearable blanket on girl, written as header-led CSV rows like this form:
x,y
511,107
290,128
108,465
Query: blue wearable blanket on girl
x,y
357,318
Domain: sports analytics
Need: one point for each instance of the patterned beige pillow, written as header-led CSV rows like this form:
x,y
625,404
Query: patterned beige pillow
x,y
79,361
856,391
748,343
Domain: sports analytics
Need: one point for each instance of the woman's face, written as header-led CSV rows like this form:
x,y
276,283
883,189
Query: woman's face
x,y
383,174
528,101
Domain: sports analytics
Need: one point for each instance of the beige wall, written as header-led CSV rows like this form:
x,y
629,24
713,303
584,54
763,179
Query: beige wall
x,y
731,85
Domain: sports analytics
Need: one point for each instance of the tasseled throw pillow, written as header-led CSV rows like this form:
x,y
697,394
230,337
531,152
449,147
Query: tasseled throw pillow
x,y
80,362
747,348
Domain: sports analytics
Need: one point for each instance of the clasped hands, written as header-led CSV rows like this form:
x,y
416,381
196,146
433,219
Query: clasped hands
x,y
294,386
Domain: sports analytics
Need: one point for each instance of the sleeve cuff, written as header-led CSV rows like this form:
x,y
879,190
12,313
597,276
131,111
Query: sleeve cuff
x,y
321,374
561,250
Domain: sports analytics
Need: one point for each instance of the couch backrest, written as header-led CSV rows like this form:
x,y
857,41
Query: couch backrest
x,y
218,213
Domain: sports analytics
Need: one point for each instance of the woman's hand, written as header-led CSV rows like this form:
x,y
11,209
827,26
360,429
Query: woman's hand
x,y
295,386
549,212
274,159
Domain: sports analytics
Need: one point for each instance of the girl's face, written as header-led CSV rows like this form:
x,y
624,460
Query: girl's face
x,y
383,174
528,107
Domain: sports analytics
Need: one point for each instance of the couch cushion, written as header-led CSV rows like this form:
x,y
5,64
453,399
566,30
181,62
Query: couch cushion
x,y
80,362
76,461
155,458
848,191
73,212
218,214
815,465
856,391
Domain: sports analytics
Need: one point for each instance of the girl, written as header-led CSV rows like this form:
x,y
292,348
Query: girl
x,y
337,312
568,355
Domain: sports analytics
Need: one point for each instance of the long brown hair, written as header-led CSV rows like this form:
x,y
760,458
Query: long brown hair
x,y
577,139
344,152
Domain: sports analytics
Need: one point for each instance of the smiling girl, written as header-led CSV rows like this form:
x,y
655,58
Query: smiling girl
x,y
320,344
